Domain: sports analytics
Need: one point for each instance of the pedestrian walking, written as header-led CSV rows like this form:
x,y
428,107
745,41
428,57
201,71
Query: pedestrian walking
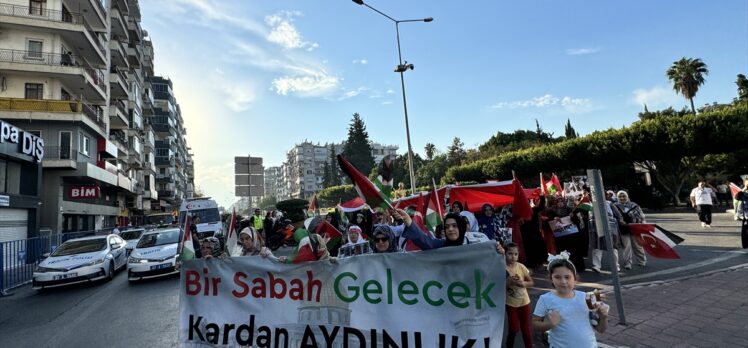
x,y
632,214
702,198
723,193
563,312
517,300
742,213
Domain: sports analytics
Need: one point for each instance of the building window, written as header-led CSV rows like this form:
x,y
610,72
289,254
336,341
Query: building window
x,y
66,144
34,91
36,7
84,145
34,49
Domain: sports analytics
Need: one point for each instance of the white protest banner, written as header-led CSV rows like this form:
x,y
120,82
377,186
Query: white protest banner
x,y
450,297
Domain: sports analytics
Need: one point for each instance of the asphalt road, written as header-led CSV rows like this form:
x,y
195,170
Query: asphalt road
x,y
144,314
104,314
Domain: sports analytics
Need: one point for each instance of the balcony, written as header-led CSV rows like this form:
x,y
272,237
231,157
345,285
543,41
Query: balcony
x,y
119,52
53,110
64,157
124,182
73,27
119,23
120,140
118,82
67,68
165,161
118,114
150,194
164,178
134,55
136,32
166,194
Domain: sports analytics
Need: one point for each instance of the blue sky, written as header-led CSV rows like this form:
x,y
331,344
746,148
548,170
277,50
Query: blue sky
x,y
256,77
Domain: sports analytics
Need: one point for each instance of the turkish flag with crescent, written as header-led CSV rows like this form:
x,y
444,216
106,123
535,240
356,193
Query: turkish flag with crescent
x,y
655,240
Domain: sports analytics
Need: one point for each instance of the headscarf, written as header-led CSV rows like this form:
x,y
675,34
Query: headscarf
x,y
461,226
359,231
472,221
631,209
384,230
215,246
256,241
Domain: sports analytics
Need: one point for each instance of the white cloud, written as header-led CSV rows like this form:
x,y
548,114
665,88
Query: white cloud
x,y
360,61
238,96
657,96
389,91
284,33
305,86
547,101
209,11
387,102
582,51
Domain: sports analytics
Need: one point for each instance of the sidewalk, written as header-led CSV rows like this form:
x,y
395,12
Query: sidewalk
x,y
703,311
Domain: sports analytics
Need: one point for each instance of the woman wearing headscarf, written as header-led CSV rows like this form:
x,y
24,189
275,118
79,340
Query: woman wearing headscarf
x,y
632,214
455,232
489,223
356,243
250,241
383,240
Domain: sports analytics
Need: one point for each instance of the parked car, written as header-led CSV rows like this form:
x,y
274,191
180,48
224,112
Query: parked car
x,y
131,236
155,254
81,260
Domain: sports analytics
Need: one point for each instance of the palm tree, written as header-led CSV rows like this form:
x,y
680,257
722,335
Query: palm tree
x,y
430,151
687,75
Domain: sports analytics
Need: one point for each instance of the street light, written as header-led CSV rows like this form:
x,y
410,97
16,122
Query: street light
x,y
401,68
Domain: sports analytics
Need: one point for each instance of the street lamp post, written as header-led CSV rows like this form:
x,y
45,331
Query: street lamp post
x,y
401,68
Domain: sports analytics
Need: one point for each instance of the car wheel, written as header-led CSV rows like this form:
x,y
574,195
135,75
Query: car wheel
x,y
111,270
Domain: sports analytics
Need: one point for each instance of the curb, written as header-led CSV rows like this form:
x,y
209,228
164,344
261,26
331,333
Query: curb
x,y
609,288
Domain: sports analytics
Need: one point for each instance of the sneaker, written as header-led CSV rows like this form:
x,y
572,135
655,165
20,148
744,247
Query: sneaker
x,y
595,269
618,268
627,267
703,225
708,226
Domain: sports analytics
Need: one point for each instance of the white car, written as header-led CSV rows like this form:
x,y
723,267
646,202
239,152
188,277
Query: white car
x,y
155,254
131,236
81,260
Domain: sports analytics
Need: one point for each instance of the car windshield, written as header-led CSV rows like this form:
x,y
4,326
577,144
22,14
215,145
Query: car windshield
x,y
130,235
205,215
80,246
160,219
161,238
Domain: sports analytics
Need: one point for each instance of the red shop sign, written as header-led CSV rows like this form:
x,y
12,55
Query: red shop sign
x,y
84,192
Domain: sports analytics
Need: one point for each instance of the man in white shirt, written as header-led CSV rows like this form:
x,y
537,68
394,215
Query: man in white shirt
x,y
702,199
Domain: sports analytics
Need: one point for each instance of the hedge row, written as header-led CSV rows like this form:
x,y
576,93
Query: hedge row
x,y
719,131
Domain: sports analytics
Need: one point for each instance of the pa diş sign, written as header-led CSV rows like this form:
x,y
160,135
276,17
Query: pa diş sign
x,y
30,144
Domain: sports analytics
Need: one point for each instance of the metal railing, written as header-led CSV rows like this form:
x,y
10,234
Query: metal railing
x,y
19,258
40,13
120,105
97,76
40,58
60,153
51,105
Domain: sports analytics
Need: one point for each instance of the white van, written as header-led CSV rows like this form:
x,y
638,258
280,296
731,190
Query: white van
x,y
207,209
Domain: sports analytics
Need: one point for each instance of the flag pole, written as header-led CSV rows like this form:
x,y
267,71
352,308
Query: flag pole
x,y
438,206
601,223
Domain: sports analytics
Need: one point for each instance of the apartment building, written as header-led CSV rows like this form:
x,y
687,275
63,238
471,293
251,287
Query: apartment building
x,y
77,74
303,172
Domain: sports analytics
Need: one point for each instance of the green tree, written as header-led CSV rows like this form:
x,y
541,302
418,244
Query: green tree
x,y
326,175
456,152
569,131
742,83
268,203
357,149
430,151
331,196
687,75
436,169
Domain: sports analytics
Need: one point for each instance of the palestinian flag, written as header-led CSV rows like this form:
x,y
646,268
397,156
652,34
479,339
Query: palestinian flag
x,y
365,188
232,237
734,189
657,241
312,206
330,234
585,204
187,249
433,214
304,252
554,187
